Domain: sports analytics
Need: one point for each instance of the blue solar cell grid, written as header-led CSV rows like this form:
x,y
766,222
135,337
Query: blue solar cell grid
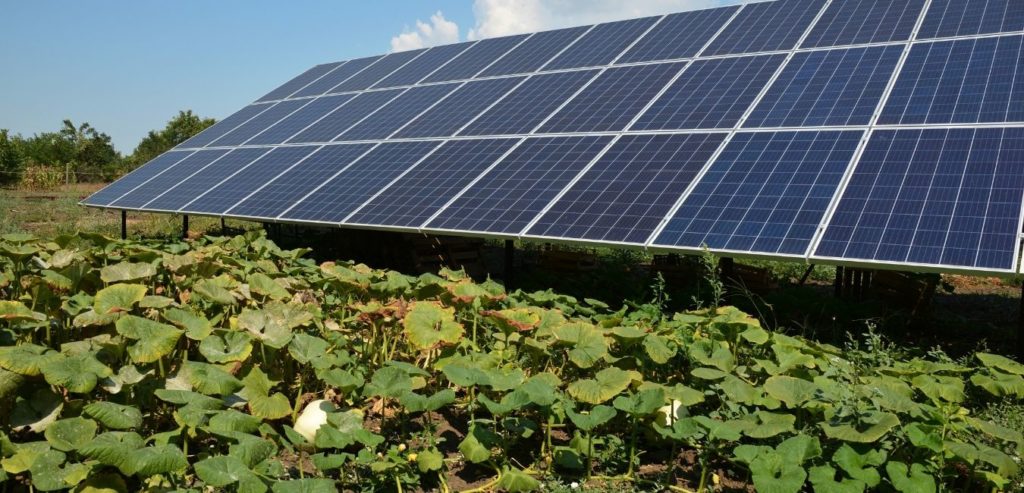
x,y
160,183
413,198
965,81
711,94
259,123
625,195
766,26
287,189
185,190
766,193
533,53
221,198
141,174
304,79
827,88
283,130
935,196
850,22
337,76
398,112
947,18
475,59
614,99
337,198
507,198
224,126
423,65
374,73
459,108
345,117
603,44
527,106
679,35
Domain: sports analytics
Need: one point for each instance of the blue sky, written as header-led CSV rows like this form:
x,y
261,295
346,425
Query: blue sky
x,y
127,66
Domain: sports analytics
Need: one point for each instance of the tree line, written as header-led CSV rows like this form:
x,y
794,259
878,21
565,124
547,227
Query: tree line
x,y
81,153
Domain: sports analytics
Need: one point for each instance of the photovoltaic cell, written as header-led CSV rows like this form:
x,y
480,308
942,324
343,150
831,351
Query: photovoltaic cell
x,y
766,193
283,130
533,53
299,82
287,189
679,35
475,59
224,126
423,65
947,18
259,123
527,106
865,21
934,196
711,94
398,112
966,81
337,76
603,44
374,73
766,26
336,199
507,198
185,190
413,198
614,99
826,88
625,195
459,108
137,177
159,183
352,113
223,197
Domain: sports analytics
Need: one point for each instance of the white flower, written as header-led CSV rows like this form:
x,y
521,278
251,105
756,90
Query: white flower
x,y
574,485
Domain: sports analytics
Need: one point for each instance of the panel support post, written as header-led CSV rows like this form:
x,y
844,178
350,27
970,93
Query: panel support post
x,y
837,285
223,226
807,274
124,225
510,267
184,227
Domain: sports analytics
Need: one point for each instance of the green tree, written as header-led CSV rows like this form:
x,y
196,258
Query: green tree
x,y
82,150
179,129
11,160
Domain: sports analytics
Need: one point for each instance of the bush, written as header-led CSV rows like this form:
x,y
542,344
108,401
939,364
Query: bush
x,y
40,177
11,160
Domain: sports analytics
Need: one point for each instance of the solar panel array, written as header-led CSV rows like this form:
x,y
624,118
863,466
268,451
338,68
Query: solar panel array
x,y
860,132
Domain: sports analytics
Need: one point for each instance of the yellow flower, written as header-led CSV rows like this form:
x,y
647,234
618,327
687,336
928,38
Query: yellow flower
x,y
412,457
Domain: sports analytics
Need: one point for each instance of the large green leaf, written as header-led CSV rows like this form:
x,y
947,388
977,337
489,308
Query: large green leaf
x,y
263,404
263,285
588,344
589,420
14,311
25,359
118,298
196,327
870,428
114,416
428,324
78,373
605,385
222,470
210,379
860,466
126,271
790,390
308,485
273,324
114,448
516,481
913,479
213,290
71,433
153,340
389,382
226,347
1000,362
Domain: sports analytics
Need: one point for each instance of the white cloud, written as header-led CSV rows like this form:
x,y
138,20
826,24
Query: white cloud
x,y
438,31
504,17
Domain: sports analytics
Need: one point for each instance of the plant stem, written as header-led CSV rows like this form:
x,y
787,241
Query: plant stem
x,y
632,450
590,456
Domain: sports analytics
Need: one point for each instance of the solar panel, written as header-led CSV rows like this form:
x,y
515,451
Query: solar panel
x,y
965,81
335,77
242,133
137,177
603,44
679,35
624,196
766,26
374,73
334,200
865,21
332,125
224,126
613,99
947,18
413,198
274,196
287,127
514,192
398,112
828,88
160,182
529,104
933,196
711,94
304,79
176,194
231,190
423,65
475,59
766,193
533,53
459,108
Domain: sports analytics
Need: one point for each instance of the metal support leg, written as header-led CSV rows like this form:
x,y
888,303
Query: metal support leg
x,y
510,259
223,226
124,225
837,285
184,227
807,274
